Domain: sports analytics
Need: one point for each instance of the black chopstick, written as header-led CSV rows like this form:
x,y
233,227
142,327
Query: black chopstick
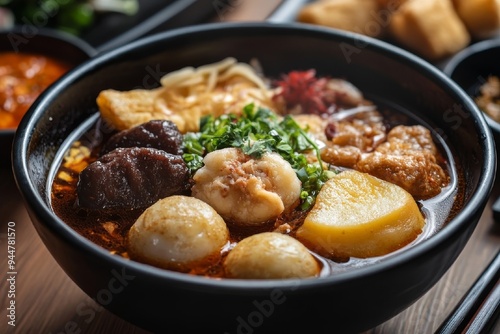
x,y
486,317
478,310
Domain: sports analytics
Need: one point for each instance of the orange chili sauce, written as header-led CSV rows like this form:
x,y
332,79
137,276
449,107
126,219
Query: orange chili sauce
x,y
23,77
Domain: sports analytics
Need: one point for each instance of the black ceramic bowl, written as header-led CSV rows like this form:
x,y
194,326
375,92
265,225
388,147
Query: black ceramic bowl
x,y
471,67
42,41
161,300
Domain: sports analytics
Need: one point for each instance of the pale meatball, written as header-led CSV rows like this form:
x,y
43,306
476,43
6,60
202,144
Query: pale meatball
x,y
270,255
177,232
247,191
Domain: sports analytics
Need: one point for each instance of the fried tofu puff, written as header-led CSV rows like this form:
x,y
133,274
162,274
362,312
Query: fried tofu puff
x,y
270,255
431,28
247,191
186,95
351,15
176,233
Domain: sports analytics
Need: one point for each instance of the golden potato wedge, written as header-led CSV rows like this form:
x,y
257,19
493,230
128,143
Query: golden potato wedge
x,y
360,16
481,17
359,215
430,28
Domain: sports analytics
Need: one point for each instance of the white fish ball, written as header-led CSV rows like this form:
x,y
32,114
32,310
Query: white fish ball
x,y
177,232
270,255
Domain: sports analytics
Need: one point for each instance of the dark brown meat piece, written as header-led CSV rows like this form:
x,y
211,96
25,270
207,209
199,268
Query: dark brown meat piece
x,y
131,178
161,134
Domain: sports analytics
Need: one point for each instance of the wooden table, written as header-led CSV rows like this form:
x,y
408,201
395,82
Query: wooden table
x,y
47,301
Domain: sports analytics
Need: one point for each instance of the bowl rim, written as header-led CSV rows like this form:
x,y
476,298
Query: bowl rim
x,y
50,33
474,49
470,51
50,220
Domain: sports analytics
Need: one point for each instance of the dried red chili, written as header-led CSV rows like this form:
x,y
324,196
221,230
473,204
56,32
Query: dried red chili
x,y
303,89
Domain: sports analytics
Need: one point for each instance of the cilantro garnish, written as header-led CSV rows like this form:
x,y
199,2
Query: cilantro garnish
x,y
258,131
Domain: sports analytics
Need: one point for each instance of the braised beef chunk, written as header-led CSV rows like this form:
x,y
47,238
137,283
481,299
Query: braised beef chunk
x,y
131,178
161,134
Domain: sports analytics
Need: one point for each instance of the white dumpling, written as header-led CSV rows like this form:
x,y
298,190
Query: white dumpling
x,y
177,232
270,255
247,191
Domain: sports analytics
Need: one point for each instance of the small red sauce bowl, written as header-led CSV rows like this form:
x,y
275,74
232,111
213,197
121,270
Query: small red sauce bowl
x,y
44,42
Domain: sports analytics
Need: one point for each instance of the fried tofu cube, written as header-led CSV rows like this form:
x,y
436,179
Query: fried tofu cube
x,y
124,110
481,17
430,28
359,16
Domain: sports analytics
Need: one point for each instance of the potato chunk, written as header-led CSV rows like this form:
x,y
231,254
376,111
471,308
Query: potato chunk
x,y
359,215
176,233
430,28
270,255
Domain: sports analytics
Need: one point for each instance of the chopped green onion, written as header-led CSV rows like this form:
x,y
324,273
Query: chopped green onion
x,y
256,132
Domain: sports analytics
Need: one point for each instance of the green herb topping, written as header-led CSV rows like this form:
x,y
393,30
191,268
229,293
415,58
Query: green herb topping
x,y
257,131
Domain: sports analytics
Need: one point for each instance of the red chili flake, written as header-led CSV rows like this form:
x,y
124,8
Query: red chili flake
x,y
304,89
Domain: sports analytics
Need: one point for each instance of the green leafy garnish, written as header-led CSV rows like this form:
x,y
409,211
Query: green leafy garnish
x,y
258,131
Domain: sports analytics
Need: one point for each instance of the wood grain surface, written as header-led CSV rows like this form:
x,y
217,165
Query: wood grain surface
x,y
47,301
